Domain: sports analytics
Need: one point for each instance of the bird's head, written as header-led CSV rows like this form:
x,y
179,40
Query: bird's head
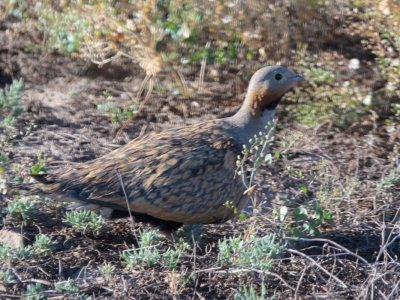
x,y
267,86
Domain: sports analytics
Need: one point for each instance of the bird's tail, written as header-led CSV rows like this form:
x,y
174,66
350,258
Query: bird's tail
x,y
43,178
73,186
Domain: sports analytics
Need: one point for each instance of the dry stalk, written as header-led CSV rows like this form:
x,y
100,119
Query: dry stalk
x,y
319,267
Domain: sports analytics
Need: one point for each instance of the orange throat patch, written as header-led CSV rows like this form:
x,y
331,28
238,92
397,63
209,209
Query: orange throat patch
x,y
260,99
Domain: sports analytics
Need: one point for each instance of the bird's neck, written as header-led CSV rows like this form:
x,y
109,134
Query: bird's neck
x,y
244,124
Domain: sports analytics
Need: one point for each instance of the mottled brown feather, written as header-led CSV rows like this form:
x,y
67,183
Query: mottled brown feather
x,y
184,175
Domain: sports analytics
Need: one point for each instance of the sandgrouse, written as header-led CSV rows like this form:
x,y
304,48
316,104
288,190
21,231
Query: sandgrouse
x,y
183,175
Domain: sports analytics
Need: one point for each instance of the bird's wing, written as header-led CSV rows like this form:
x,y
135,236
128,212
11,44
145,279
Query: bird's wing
x,y
185,175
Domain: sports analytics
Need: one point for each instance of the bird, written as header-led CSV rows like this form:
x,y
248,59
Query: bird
x,y
183,175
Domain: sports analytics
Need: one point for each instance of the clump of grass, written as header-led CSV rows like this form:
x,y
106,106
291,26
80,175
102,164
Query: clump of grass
x,y
146,257
85,221
11,102
10,255
16,8
149,238
65,30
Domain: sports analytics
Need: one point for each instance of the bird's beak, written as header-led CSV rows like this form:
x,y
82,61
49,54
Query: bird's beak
x,y
298,78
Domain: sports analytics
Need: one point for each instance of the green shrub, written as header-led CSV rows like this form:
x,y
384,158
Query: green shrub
x,y
253,252
21,209
172,257
6,254
147,255
6,277
42,245
34,292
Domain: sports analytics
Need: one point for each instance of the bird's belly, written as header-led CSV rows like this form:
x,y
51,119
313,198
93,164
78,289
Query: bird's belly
x,y
191,202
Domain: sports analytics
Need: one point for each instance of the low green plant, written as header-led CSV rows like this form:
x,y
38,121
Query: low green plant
x,y
245,293
189,232
387,187
34,292
117,113
6,253
16,8
307,220
393,122
42,245
66,287
108,270
85,221
314,214
389,184
3,158
39,168
379,26
149,238
11,102
251,160
65,30
253,252
40,248
6,277
147,255
22,253
21,209
173,257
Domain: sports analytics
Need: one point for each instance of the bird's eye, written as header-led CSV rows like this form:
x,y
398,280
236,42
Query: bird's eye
x,y
278,76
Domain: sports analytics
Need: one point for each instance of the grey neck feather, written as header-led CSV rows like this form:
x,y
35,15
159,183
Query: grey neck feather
x,y
243,125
